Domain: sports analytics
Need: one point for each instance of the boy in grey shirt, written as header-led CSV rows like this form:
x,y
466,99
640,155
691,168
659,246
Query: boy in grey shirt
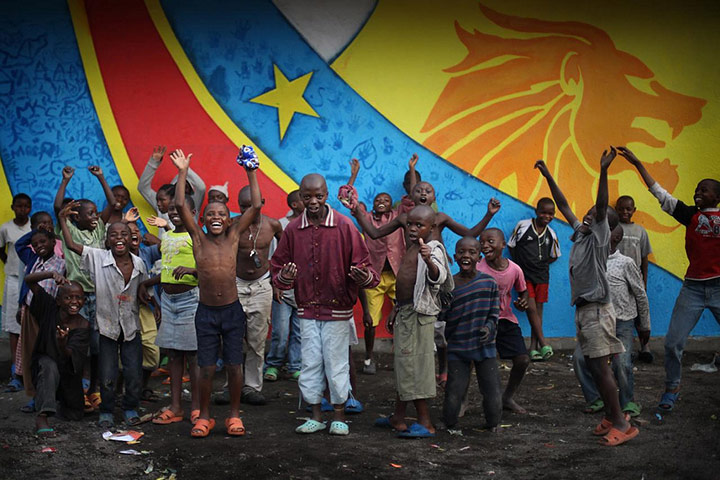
x,y
590,291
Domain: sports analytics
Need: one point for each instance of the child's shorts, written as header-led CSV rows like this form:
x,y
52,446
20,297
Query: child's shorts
x,y
595,326
376,296
440,341
177,329
414,359
538,291
509,339
212,324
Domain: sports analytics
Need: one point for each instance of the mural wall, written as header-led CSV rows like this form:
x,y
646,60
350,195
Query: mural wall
x,y
478,90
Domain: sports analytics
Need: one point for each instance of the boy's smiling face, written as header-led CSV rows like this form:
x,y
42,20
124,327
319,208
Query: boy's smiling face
x,y
382,203
544,214
87,217
423,194
70,298
44,248
121,198
314,197
134,237
216,218
492,243
118,239
467,254
707,194
625,208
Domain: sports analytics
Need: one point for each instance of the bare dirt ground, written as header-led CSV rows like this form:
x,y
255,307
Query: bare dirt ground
x,y
553,442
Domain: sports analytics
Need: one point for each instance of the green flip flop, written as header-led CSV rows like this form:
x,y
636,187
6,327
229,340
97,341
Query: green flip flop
x,y
546,352
535,356
595,407
632,408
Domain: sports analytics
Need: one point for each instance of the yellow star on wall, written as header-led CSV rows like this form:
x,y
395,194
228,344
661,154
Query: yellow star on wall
x,y
287,97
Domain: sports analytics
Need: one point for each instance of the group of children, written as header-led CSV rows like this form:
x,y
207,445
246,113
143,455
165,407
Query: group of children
x,y
95,294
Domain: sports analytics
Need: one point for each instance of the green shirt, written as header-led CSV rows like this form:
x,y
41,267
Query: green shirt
x,y
73,261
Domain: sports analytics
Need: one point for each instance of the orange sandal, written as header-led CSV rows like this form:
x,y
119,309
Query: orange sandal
x,y
235,426
194,415
167,417
615,437
95,399
606,425
88,405
202,427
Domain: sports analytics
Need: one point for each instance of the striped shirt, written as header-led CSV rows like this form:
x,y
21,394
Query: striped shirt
x,y
472,319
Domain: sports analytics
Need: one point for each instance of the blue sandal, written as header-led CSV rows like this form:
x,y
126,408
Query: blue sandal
x,y
416,431
667,401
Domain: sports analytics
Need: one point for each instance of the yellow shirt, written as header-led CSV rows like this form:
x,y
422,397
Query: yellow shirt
x,y
177,252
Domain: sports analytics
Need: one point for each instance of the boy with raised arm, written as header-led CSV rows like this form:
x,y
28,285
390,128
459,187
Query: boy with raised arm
x,y
424,271
323,257
219,314
701,288
116,274
590,291
87,228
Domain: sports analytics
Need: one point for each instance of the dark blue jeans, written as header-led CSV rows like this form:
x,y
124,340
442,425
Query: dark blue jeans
x,y
458,382
131,358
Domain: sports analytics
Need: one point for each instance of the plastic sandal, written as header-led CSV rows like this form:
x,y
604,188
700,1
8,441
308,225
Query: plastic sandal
x,y
310,426
606,425
45,432
667,401
30,406
132,418
339,428
95,399
615,437
633,409
535,356
271,374
202,428
14,386
106,421
595,407
234,426
353,406
167,417
295,376
416,431
194,415
546,352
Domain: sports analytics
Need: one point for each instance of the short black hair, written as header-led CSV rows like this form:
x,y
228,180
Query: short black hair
x,y
86,203
612,218
34,218
624,198
21,196
48,233
545,201
168,188
220,203
496,231
406,178
714,183
293,196
468,238
122,187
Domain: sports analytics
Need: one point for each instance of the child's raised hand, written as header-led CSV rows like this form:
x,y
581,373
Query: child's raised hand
x,y
157,221
180,160
540,165
521,304
607,158
425,250
628,155
413,161
59,279
158,152
289,272
359,275
95,170
68,209
493,206
68,172
354,166
132,215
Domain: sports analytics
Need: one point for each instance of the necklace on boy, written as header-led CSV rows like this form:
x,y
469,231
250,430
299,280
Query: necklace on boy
x,y
253,252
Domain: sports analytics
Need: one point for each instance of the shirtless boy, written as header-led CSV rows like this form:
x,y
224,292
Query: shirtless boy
x,y
219,313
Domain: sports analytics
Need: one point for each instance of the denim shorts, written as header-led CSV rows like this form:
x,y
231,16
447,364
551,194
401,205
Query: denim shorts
x,y
213,324
177,329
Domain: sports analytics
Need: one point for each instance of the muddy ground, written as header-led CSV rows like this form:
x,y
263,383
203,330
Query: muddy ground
x,y
553,441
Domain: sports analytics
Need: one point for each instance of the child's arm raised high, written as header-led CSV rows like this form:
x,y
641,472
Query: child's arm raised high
x,y
560,200
601,201
109,195
376,232
183,163
248,217
443,219
63,215
67,174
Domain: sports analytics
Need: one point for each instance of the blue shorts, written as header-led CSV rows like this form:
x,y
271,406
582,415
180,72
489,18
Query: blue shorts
x,y
509,339
212,324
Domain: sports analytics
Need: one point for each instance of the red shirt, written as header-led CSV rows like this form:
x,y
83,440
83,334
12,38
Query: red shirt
x,y
702,243
390,247
323,254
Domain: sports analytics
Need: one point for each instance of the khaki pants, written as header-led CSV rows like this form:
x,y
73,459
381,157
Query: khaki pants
x,y
148,334
256,299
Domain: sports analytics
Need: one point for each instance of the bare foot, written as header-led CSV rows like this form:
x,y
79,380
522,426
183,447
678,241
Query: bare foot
x,y
512,405
429,426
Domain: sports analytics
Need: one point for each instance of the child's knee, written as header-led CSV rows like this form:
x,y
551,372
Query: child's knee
x,y
521,362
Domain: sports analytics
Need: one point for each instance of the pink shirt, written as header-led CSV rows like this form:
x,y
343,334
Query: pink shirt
x,y
390,247
506,279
